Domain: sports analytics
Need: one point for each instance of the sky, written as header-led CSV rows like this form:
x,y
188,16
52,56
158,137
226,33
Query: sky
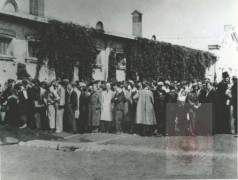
x,y
167,19
164,18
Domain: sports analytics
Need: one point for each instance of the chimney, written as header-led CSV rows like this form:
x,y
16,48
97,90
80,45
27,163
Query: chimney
x,y
137,23
37,7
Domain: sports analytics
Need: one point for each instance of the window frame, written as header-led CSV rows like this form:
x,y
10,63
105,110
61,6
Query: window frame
x,y
7,56
97,65
118,66
32,39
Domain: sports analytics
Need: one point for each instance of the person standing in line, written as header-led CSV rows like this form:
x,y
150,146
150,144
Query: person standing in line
x,y
84,98
234,101
209,109
171,104
145,114
22,104
37,104
3,101
134,100
11,106
118,109
94,108
194,105
160,109
106,115
60,105
127,124
71,105
43,110
50,100
223,111
77,112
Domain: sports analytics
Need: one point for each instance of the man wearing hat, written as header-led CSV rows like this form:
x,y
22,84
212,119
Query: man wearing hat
x,y
222,124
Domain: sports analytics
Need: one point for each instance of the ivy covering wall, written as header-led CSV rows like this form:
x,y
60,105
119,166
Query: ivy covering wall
x,y
65,46
112,66
154,60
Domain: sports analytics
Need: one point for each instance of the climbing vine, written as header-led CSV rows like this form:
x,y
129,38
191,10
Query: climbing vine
x,y
112,66
65,46
155,60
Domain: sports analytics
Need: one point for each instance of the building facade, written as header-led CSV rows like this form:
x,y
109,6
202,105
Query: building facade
x,y
19,42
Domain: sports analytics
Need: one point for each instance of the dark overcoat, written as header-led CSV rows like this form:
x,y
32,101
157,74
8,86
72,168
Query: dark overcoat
x,y
94,108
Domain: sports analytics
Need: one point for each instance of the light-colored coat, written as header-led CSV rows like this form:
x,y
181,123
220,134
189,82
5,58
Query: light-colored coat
x,y
106,114
60,110
145,108
77,112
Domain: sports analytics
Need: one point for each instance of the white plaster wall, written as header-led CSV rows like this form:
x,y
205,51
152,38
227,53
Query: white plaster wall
x,y
76,72
121,75
19,49
8,70
98,74
228,58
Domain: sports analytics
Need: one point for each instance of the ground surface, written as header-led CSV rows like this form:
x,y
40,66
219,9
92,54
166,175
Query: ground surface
x,y
41,155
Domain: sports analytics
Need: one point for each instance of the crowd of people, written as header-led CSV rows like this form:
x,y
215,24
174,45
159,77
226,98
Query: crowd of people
x,y
153,108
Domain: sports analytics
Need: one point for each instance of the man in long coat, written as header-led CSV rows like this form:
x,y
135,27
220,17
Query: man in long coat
x,y
193,106
71,105
160,108
210,109
106,115
59,106
223,111
118,110
145,115
171,100
94,109
83,100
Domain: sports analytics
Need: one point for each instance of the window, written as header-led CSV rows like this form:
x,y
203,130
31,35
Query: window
x,y
4,43
33,7
99,26
99,59
33,48
37,7
11,5
121,60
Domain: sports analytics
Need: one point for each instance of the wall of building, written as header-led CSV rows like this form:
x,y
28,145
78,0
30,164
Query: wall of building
x,y
18,50
227,58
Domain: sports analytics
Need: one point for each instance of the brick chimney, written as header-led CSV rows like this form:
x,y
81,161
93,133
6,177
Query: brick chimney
x,y
137,23
37,7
